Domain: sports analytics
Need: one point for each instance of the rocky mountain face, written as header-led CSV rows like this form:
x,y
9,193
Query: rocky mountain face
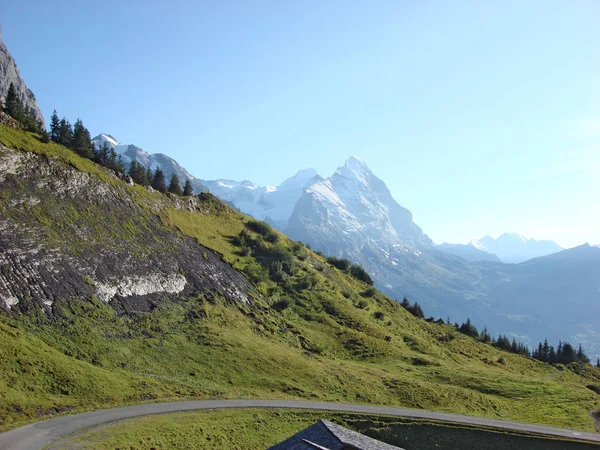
x,y
52,251
514,248
468,252
149,160
353,214
9,73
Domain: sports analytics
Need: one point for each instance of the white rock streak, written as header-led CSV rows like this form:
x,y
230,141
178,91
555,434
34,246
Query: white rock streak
x,y
10,301
143,285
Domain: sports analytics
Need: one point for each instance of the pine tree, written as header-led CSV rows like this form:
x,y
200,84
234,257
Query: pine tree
x,y
81,141
581,356
174,186
158,181
405,303
417,311
119,167
12,104
552,356
65,133
469,329
54,126
187,189
598,363
149,176
101,155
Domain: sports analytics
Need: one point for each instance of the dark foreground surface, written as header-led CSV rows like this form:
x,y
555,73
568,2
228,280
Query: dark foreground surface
x,y
38,435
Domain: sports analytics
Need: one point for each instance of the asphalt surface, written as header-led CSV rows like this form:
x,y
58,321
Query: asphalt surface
x,y
38,435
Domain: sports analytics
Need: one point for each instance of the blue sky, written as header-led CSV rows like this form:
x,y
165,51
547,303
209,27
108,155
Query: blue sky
x,y
481,116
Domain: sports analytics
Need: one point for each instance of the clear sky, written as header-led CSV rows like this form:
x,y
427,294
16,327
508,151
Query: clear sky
x,y
481,116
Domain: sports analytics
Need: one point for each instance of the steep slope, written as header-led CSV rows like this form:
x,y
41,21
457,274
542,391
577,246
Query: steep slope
x,y
149,160
468,252
352,214
514,248
273,204
290,326
9,73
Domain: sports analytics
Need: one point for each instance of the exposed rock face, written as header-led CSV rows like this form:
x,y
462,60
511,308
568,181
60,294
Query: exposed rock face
x,y
9,73
354,212
66,235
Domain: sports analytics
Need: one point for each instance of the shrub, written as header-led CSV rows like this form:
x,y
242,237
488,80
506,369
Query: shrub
x,y
369,292
361,304
264,229
379,315
282,304
341,263
360,274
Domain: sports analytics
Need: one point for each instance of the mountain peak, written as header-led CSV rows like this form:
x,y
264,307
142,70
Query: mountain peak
x,y
512,236
354,168
354,162
102,138
307,173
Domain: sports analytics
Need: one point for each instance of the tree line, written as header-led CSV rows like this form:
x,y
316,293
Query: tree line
x,y
17,108
565,353
77,138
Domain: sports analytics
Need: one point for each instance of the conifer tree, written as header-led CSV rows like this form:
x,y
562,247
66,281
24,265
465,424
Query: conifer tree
x,y
65,133
187,189
598,363
101,155
54,126
405,304
81,141
581,356
158,181
149,176
12,104
174,186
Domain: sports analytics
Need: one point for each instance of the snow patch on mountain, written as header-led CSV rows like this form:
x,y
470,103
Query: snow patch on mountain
x,y
273,204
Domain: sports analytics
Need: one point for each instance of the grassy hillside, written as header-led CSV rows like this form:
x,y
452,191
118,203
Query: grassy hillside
x,y
310,332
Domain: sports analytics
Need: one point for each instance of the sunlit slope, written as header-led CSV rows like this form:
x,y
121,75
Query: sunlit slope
x,y
296,327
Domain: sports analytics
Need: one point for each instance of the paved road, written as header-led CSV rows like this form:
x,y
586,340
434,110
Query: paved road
x,y
38,435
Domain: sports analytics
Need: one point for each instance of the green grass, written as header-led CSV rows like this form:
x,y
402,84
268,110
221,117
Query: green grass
x,y
315,333
255,429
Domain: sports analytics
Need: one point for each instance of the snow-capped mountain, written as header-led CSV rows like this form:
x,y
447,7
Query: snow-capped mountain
x,y
352,213
273,204
514,248
468,252
131,153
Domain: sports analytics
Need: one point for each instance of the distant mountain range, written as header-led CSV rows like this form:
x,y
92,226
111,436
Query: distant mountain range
x,y
149,160
468,252
352,214
508,248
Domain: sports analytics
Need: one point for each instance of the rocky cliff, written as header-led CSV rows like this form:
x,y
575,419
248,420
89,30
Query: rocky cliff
x,y
66,234
9,73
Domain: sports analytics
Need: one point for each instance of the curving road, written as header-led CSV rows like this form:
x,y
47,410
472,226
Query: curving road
x,y
38,435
